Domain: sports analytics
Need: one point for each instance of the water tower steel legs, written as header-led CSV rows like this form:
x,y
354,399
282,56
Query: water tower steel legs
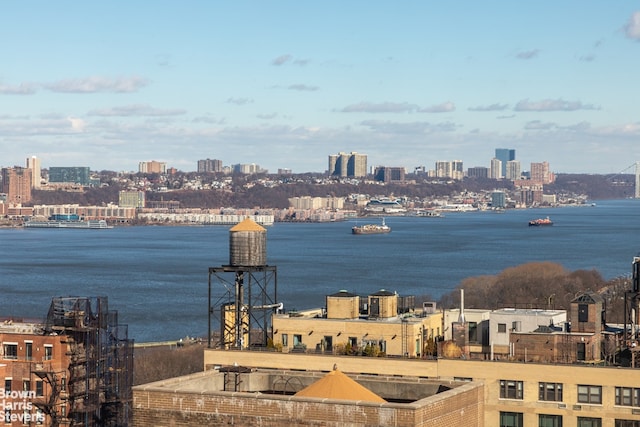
x,y
243,307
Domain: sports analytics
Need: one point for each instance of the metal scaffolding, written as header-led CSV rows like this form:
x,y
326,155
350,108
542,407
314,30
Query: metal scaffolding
x,y
97,388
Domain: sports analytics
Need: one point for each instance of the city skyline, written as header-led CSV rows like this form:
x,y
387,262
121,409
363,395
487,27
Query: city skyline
x,y
285,84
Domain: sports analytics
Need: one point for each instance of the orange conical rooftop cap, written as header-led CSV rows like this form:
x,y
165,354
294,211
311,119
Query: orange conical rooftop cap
x,y
336,385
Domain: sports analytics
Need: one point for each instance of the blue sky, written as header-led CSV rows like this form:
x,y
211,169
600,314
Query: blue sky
x,y
284,84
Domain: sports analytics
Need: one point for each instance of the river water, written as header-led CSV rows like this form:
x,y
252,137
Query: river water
x,y
156,277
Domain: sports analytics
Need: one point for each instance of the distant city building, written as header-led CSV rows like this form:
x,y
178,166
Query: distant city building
x,y
450,169
540,172
420,170
478,172
353,165
389,174
505,155
513,170
528,192
74,174
498,200
285,171
308,202
131,199
152,167
496,169
248,169
33,163
16,184
209,165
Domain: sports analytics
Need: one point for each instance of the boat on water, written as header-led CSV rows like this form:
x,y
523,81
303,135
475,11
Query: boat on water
x,y
68,221
385,205
428,214
371,228
540,222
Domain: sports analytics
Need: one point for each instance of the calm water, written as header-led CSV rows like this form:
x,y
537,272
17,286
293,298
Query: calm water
x,y
156,277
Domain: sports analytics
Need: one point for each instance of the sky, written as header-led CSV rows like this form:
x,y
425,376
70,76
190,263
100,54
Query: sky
x,y
284,84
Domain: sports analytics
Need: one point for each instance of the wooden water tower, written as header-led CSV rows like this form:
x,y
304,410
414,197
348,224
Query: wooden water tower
x,y
242,294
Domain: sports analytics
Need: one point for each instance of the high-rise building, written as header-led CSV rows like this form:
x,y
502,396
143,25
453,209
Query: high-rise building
x,y
389,174
33,163
513,170
352,165
496,169
248,168
152,167
131,199
540,172
16,183
505,155
498,200
76,175
209,165
450,169
478,172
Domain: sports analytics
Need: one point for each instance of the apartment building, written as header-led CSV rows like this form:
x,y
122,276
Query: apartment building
x,y
348,165
152,167
514,394
16,184
75,368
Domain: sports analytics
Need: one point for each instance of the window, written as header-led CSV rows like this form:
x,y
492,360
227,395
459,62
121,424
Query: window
x,y
590,394
39,388
7,416
627,396
327,342
511,419
285,340
473,332
510,389
297,339
551,392
627,423
28,345
10,350
549,420
515,326
39,416
26,385
502,328
581,351
353,341
48,352
7,385
583,312
589,422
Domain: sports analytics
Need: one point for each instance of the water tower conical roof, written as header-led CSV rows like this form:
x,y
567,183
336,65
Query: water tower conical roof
x,y
247,225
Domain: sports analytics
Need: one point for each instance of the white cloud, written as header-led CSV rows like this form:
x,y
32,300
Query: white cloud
x,y
552,105
98,84
303,87
528,54
281,60
239,101
384,107
21,89
136,110
445,107
492,107
632,29
76,124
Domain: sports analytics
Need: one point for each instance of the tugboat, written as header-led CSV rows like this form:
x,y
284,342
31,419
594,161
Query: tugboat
x,y
371,228
540,222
